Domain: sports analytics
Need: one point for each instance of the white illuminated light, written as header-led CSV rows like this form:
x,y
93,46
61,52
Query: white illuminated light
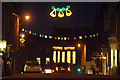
x,y
54,56
68,57
63,57
115,57
23,35
45,36
74,57
58,57
64,38
111,57
53,13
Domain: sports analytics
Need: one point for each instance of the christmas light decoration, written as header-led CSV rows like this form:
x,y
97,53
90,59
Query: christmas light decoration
x,y
85,36
50,37
54,11
80,37
58,38
22,35
60,14
90,36
40,35
93,35
45,36
75,38
29,32
23,29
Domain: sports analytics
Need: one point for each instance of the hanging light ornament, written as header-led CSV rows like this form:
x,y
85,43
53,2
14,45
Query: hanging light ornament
x,y
57,38
29,32
68,12
54,11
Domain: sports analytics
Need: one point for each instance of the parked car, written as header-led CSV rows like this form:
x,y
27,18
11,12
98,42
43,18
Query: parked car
x,y
63,67
32,66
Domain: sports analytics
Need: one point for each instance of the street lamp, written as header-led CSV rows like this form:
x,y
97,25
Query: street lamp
x,y
27,17
18,26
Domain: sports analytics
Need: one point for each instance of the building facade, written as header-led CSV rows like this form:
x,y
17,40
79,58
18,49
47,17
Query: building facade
x,y
10,31
108,19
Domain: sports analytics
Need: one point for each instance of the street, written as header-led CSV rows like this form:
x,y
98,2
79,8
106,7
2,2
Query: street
x,y
70,40
39,76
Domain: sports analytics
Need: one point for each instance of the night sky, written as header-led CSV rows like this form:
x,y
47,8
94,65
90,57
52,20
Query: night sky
x,y
41,22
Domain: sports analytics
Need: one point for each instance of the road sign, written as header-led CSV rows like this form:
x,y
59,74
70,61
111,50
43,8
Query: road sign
x,y
22,40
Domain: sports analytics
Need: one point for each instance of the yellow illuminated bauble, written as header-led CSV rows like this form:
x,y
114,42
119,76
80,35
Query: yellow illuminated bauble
x,y
68,12
60,14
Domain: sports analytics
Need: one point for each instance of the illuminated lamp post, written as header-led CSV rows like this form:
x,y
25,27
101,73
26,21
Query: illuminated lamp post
x,y
18,26
19,40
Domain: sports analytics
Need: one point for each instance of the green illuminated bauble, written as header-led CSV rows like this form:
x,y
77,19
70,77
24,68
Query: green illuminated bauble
x,y
52,7
68,7
93,35
50,37
63,9
57,9
61,38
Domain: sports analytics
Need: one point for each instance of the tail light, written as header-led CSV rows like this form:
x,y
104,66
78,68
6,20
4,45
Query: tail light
x,y
69,69
56,68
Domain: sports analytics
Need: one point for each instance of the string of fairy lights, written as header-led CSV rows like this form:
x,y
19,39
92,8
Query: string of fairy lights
x,y
59,38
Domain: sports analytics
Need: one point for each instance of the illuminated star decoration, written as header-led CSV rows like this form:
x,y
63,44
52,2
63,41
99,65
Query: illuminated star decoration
x,y
61,14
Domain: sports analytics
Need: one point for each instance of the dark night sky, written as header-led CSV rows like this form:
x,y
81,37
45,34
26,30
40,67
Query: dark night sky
x,y
41,22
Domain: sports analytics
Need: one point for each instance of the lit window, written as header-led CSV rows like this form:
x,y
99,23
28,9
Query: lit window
x,y
63,57
68,57
74,57
58,57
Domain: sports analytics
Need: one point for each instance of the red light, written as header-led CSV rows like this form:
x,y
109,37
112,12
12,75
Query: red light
x,y
90,36
75,38
56,68
68,38
55,37
69,69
